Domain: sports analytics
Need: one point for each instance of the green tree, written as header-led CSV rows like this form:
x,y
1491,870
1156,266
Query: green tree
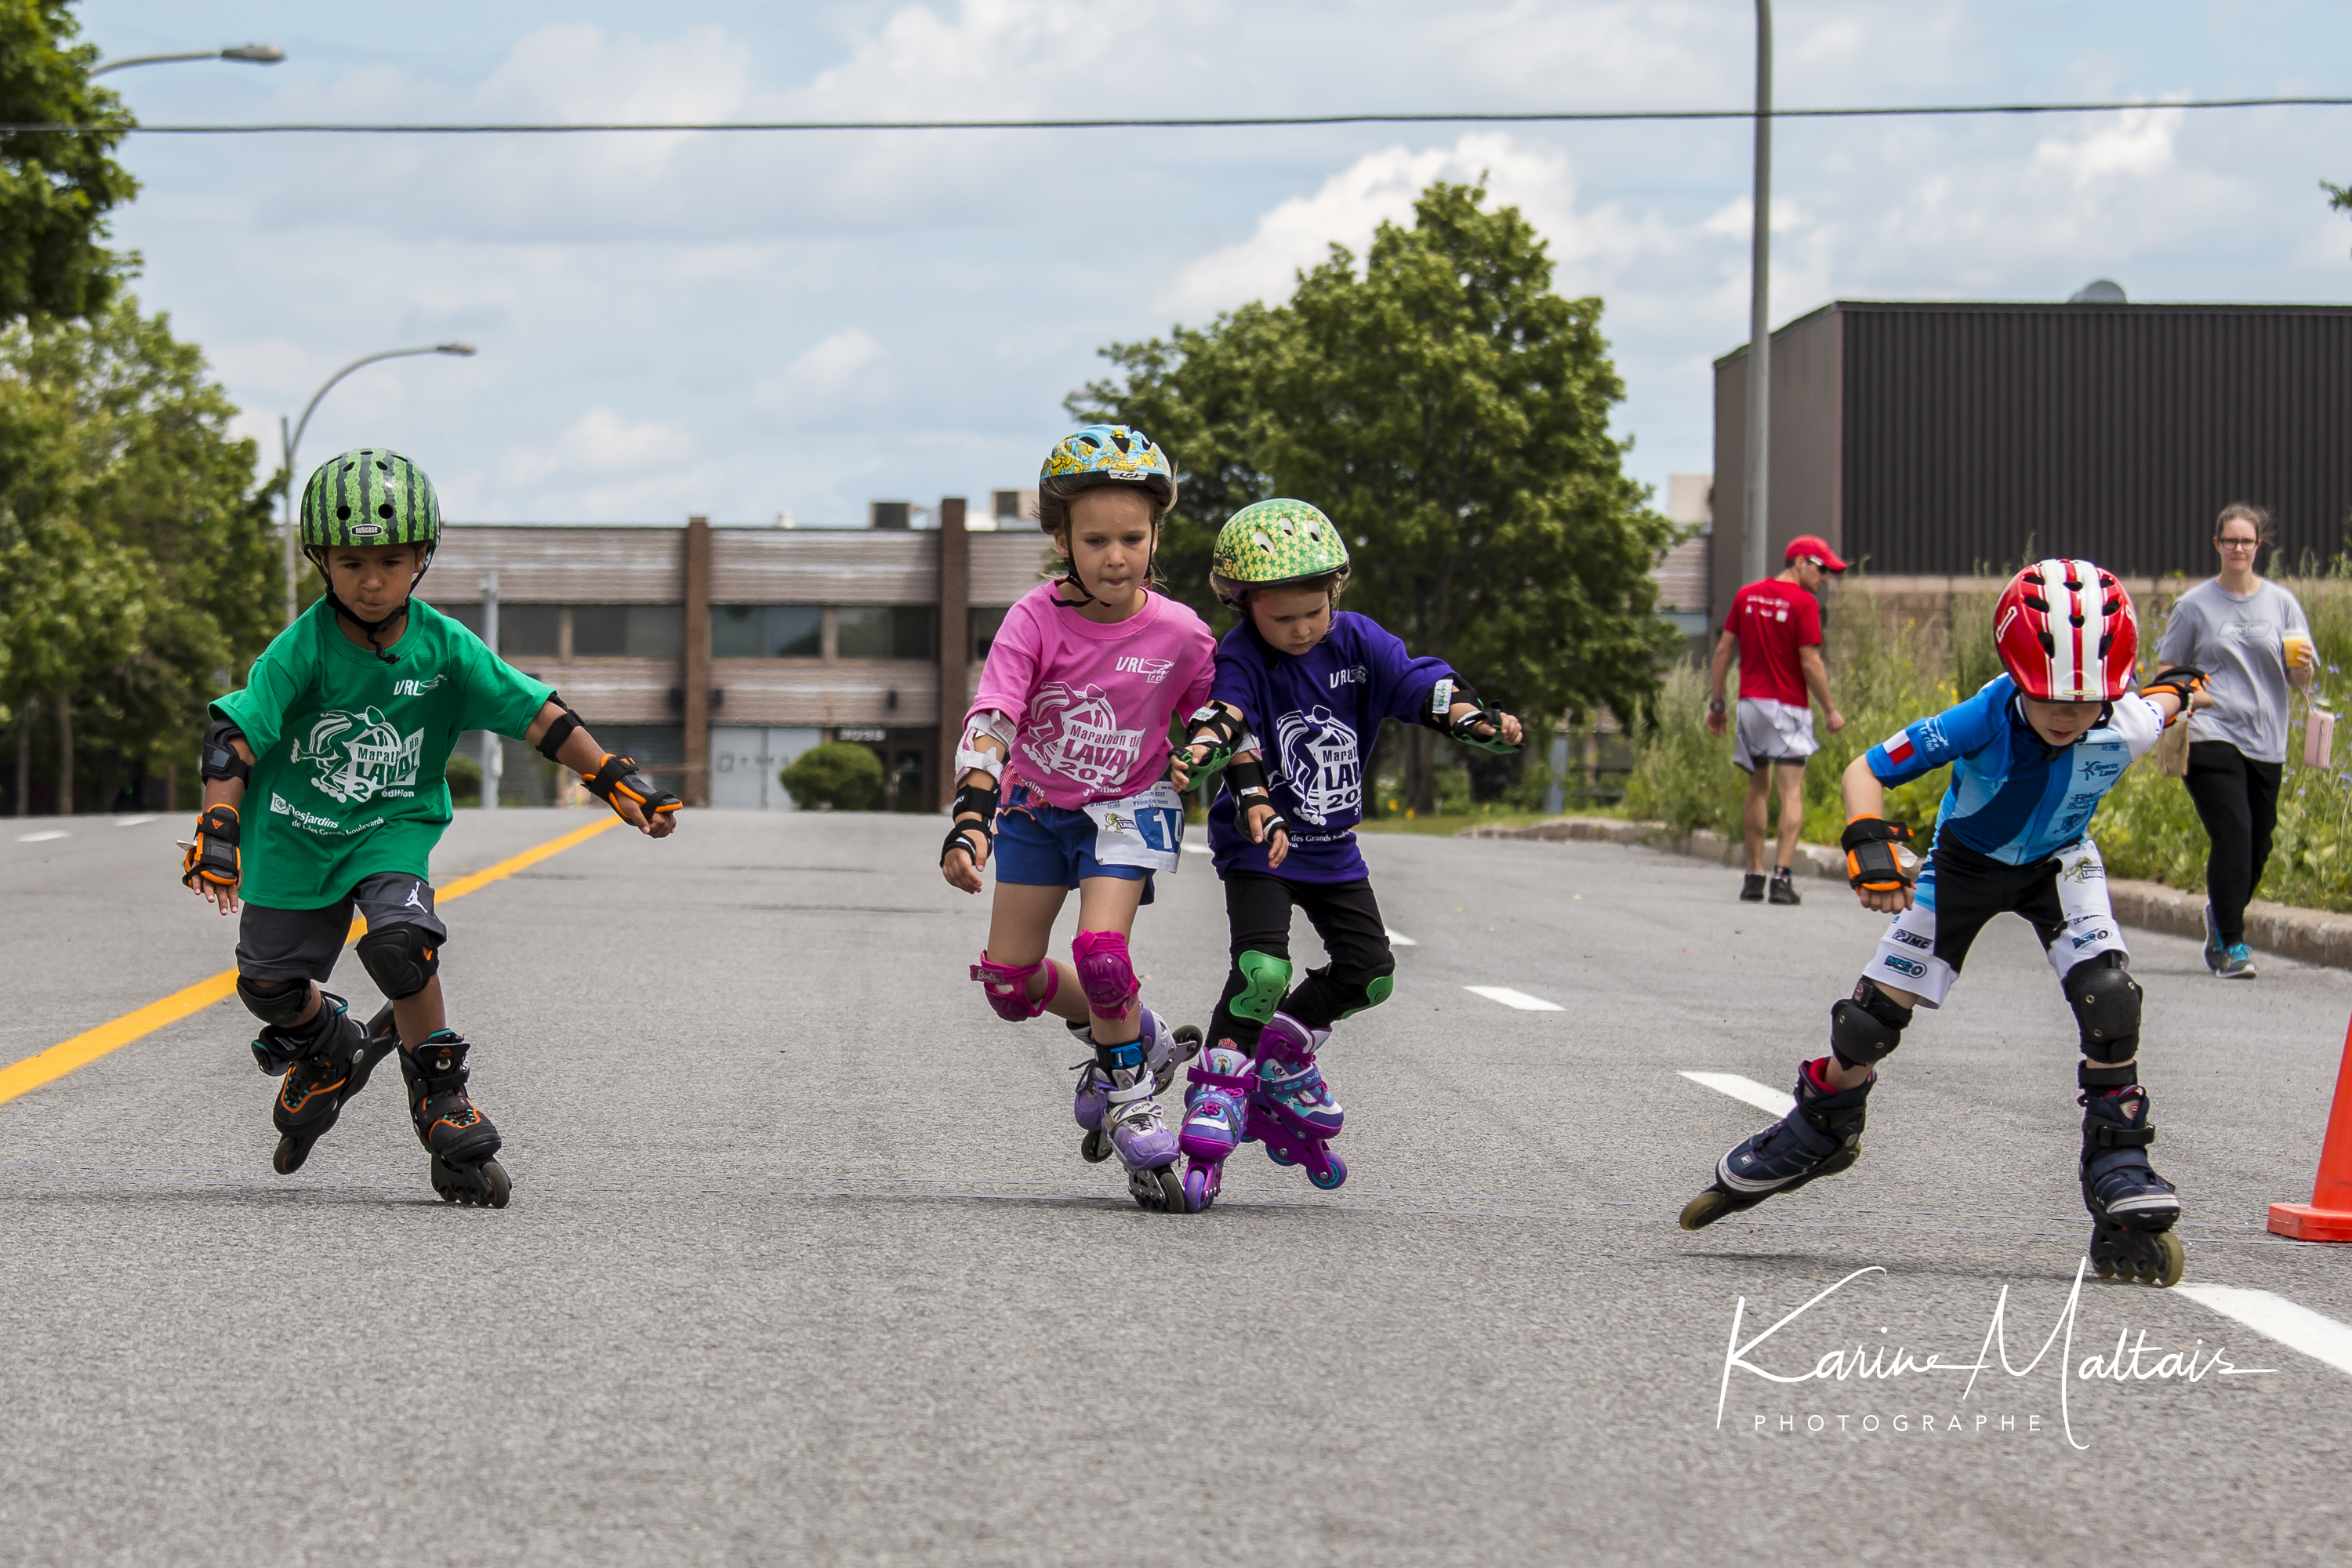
x,y
56,186
136,568
1450,412
840,775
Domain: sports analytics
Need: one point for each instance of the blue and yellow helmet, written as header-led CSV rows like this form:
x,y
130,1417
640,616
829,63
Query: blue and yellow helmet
x,y
1111,454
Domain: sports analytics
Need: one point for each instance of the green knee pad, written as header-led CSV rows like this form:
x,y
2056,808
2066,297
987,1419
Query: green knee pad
x,y
1376,992
1265,980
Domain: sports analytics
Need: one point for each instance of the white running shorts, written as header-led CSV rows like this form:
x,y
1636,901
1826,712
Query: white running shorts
x,y
1770,732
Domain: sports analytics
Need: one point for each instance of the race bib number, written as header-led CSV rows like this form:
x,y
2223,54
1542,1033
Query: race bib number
x,y
1145,829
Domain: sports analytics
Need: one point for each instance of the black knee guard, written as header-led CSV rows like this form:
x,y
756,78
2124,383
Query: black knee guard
x,y
2106,1003
1332,993
277,1003
1866,1029
400,959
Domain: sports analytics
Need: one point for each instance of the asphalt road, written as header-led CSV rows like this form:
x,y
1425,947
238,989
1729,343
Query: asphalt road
x,y
802,1265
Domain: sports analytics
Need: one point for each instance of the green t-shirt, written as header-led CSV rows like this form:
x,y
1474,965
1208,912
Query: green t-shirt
x,y
349,751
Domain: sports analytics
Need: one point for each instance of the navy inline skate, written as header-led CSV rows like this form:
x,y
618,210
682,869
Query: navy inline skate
x,y
1820,1137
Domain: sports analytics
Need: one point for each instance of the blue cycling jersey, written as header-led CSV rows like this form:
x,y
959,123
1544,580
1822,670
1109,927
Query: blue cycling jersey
x,y
2011,797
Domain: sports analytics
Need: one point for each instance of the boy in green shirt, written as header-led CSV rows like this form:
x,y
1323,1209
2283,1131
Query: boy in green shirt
x,y
343,731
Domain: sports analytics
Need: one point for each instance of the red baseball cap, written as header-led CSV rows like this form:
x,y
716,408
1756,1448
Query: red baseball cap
x,y
1813,544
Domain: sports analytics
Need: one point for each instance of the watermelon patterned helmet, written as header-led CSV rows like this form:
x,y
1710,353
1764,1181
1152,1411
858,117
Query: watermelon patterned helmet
x,y
1272,543
1110,453
373,496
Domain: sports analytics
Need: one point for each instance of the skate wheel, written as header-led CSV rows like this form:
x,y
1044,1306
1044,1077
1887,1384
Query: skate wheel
x,y
1188,1039
1334,1173
1093,1148
2171,1258
1278,1156
1199,1190
1705,1209
291,1153
2104,1266
494,1175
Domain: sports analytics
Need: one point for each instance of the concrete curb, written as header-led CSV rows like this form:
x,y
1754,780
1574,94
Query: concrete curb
x,y
2309,936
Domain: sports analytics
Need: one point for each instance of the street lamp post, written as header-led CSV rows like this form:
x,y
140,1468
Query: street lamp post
x,y
290,444
1755,505
252,54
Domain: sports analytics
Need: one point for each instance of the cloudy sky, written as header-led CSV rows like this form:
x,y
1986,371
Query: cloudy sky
x,y
745,325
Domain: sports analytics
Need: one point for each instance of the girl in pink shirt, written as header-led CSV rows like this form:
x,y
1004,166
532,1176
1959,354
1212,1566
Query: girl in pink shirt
x,y
1069,782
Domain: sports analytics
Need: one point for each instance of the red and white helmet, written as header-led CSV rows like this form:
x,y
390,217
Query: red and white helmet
x,y
2066,632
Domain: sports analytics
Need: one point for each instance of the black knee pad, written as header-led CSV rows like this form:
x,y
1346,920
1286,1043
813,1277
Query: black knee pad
x,y
277,1003
1865,1028
2106,1003
400,959
1362,989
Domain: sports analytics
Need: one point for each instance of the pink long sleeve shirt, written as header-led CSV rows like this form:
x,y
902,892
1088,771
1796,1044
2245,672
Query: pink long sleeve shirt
x,y
1090,701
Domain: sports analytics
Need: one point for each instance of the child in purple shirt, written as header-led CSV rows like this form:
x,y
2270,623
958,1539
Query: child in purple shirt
x,y
1301,690
1064,781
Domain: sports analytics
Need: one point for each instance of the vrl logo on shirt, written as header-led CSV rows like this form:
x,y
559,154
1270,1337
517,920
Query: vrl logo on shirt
x,y
1354,675
415,687
1154,670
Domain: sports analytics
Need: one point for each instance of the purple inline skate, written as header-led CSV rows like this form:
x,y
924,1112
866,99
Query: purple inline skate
x,y
1280,1101
1114,1103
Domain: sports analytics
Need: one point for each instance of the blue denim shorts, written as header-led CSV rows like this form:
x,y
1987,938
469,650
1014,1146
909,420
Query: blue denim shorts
x,y
1045,846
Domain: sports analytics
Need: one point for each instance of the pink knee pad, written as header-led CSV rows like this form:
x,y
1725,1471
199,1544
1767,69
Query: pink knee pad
x,y
1105,974
1008,987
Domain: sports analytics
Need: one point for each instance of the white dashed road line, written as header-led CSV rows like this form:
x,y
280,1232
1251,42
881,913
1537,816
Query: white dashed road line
x,y
43,838
2316,1335
1510,998
1194,846
1398,938
1779,1101
133,821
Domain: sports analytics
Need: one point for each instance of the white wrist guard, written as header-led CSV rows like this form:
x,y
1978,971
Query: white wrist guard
x,y
993,726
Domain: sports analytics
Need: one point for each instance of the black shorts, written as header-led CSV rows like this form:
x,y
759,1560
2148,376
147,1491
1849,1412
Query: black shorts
x,y
303,945
2065,897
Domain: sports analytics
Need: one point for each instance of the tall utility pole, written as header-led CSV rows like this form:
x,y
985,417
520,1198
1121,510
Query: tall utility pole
x,y
1754,554
493,753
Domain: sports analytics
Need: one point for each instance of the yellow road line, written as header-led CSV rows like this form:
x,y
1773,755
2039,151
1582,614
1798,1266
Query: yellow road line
x,y
22,1077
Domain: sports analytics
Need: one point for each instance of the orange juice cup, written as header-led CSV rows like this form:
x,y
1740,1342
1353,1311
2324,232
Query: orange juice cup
x,y
2299,651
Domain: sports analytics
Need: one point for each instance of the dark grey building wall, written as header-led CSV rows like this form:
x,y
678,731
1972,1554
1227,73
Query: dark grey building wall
x,y
1807,441
1974,434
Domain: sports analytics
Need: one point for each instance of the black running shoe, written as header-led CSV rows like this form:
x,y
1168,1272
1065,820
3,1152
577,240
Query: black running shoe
x,y
1784,887
1752,891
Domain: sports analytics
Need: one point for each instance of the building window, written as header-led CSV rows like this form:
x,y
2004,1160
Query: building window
x,y
531,631
767,631
627,631
985,625
882,631
892,514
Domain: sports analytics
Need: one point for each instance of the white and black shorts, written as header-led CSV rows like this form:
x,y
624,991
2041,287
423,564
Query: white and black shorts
x,y
1766,731
2065,897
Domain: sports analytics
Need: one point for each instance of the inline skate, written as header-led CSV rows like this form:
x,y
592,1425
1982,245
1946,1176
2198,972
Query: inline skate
x,y
2133,1209
324,1063
453,1128
1820,1137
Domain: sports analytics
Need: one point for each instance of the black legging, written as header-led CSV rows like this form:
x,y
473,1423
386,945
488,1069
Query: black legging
x,y
1344,914
2237,799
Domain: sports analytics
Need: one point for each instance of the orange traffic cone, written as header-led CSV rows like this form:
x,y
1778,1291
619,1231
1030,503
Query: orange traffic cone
x,y
2328,1216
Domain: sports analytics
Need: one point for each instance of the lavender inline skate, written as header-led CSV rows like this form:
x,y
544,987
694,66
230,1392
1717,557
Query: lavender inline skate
x,y
1279,1100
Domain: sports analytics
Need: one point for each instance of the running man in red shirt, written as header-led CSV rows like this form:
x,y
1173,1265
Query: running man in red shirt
x,y
1775,626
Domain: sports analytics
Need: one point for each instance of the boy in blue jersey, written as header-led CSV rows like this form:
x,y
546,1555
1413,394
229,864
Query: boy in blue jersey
x,y
2030,755
1301,690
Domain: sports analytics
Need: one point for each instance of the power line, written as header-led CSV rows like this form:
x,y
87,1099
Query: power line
x,y
518,128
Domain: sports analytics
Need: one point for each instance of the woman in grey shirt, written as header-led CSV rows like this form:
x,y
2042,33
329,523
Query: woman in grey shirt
x,y
2249,637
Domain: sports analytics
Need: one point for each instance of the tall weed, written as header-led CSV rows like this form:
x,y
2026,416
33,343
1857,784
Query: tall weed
x,y
1886,673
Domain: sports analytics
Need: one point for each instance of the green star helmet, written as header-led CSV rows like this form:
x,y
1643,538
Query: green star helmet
x,y
1272,543
373,496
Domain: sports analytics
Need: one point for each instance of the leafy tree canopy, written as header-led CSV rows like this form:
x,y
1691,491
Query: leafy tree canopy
x,y
1450,412
136,562
55,186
